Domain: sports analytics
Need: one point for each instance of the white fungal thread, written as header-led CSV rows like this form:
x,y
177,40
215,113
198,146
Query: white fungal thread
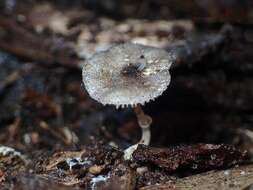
x,y
97,179
77,160
5,151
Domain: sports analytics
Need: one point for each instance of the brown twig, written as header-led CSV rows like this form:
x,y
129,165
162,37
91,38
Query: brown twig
x,y
24,43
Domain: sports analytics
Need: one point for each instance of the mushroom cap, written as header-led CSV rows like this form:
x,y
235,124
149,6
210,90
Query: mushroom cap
x,y
127,74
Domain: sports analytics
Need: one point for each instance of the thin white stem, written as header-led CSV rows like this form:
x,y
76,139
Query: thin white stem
x,y
144,122
146,136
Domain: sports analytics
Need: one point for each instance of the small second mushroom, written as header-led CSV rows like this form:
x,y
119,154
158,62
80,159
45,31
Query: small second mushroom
x,y
129,75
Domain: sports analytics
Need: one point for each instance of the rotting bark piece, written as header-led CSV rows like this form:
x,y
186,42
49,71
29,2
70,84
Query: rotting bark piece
x,y
239,178
197,157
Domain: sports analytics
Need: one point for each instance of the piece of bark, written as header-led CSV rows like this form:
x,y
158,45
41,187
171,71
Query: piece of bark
x,y
238,178
197,157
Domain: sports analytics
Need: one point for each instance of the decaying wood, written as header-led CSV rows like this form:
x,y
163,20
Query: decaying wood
x,y
238,178
199,157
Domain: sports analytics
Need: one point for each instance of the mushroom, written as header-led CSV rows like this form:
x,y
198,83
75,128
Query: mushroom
x,y
129,75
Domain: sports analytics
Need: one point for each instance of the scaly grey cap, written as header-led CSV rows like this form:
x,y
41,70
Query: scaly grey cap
x,y
127,74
